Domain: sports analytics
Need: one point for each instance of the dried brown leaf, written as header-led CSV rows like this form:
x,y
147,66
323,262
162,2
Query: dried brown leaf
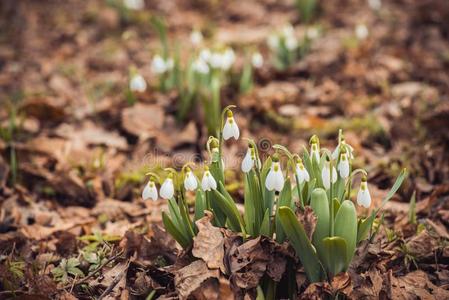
x,y
209,244
191,277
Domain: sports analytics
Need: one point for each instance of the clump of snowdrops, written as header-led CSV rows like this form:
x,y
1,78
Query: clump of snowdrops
x,y
274,190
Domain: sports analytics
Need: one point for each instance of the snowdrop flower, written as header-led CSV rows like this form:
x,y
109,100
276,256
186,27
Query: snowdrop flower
x,y
301,172
134,4
312,33
196,38
288,30
228,59
257,60
205,55
230,128
342,145
150,191
137,83
216,60
248,160
190,181
361,31
275,178
273,41
167,189
314,148
363,196
200,66
208,182
158,65
343,165
326,175
291,43
375,4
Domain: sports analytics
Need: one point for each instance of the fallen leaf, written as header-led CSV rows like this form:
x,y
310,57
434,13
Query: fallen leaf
x,y
192,277
209,243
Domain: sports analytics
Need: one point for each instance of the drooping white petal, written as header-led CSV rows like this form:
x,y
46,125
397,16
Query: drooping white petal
x,y
200,66
137,84
363,195
205,55
150,191
302,173
230,129
291,43
343,166
247,162
375,4
216,60
208,182
228,59
275,178
167,189
273,42
257,60
190,181
326,176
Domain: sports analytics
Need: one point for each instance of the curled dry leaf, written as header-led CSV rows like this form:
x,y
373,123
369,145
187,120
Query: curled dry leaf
x,y
308,219
422,245
191,277
415,285
209,243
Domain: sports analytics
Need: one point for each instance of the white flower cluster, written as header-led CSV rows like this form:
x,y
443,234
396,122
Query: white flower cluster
x,y
285,36
275,178
137,83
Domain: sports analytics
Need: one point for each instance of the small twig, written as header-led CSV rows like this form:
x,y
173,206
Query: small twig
x,y
114,283
84,279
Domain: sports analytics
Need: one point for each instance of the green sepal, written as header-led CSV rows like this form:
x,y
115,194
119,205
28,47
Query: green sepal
x,y
303,247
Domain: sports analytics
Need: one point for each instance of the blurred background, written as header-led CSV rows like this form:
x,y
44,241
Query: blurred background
x,y
93,94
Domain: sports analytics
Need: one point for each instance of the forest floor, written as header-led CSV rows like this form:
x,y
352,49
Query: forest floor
x,y
72,167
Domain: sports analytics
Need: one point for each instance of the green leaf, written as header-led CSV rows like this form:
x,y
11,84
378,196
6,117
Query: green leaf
x,y
303,247
285,199
265,227
230,210
399,180
320,206
174,232
200,204
334,254
346,227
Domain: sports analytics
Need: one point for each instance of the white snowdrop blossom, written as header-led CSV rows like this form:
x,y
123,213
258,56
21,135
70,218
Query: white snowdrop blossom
x,y
275,178
315,151
349,149
288,30
160,66
363,196
228,59
150,191
361,31
273,41
291,43
230,128
312,33
326,175
375,4
208,182
200,66
134,4
167,189
248,160
216,60
343,165
302,173
205,55
257,60
137,83
196,38
190,181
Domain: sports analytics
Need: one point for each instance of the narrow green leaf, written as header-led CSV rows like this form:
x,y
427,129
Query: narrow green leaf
x,y
303,247
230,210
174,232
200,204
285,199
265,227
